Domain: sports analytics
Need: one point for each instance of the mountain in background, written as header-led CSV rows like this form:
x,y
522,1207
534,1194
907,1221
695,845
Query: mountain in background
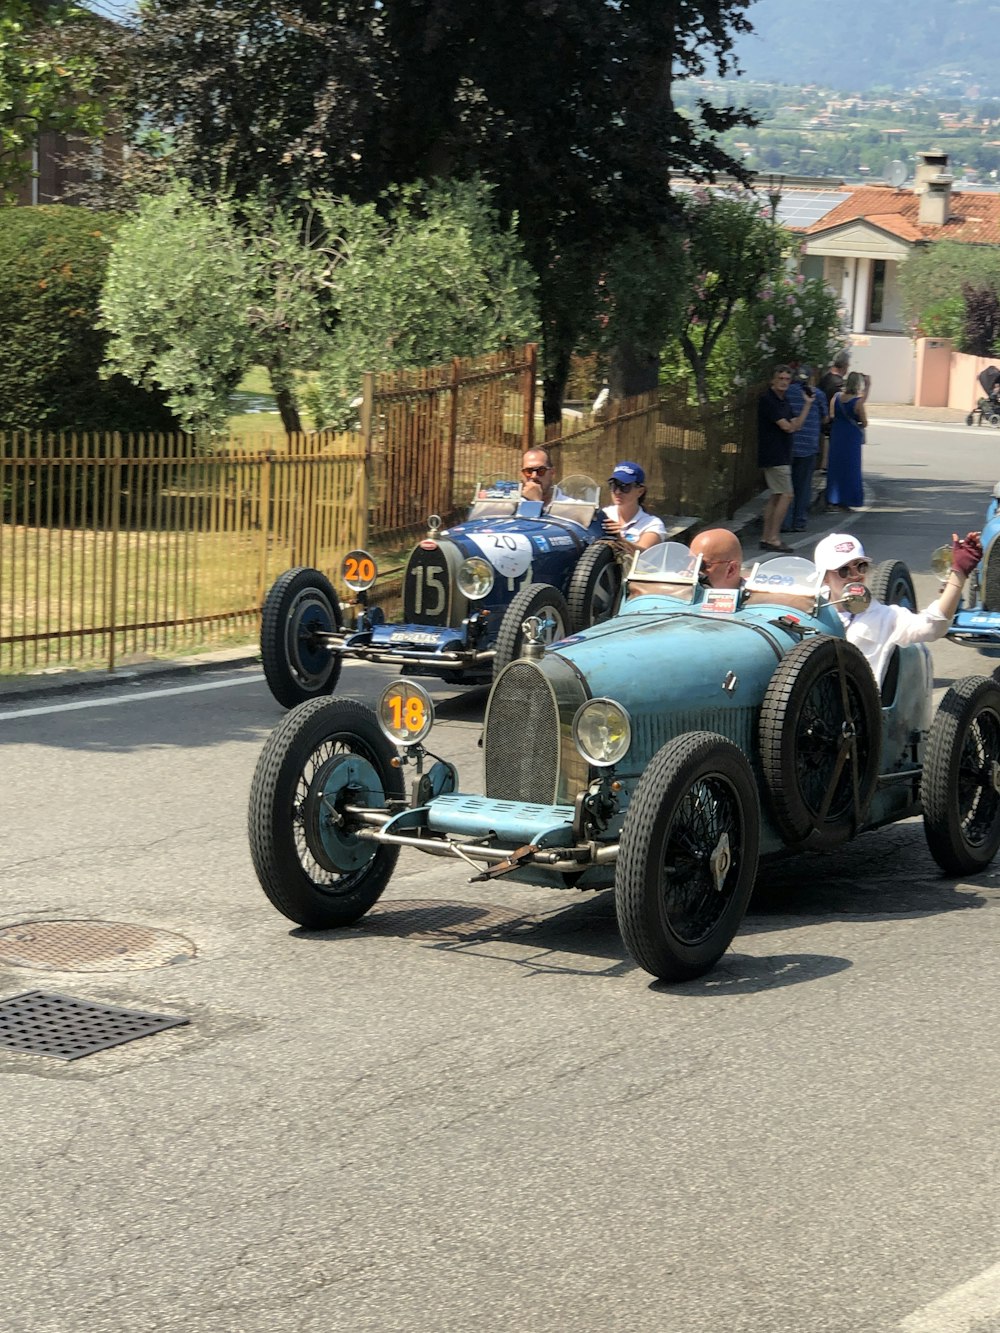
x,y
946,47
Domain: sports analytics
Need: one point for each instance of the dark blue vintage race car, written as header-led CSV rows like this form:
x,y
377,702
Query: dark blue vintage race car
x,y
466,592
977,620
663,753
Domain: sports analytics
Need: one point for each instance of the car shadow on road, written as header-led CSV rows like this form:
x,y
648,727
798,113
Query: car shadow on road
x,y
881,875
580,941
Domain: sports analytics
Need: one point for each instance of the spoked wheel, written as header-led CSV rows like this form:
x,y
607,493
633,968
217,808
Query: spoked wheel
x,y
820,742
300,607
960,789
595,586
536,599
892,584
323,759
688,856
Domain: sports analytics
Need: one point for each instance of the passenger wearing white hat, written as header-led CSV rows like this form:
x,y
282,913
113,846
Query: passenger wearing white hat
x,y
881,628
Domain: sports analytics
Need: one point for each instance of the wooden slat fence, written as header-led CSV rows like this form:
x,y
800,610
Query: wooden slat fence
x,y
436,433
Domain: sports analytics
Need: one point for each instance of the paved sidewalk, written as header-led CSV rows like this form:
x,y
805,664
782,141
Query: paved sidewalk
x,y
907,412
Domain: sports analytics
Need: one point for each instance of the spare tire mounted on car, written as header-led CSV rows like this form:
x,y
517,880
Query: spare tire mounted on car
x,y
820,742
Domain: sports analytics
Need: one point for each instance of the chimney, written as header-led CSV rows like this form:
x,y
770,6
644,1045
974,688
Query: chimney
x,y
932,182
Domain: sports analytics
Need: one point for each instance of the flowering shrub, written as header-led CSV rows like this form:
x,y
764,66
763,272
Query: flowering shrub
x,y
792,319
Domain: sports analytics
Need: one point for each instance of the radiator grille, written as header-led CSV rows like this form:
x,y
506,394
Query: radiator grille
x,y
521,744
989,578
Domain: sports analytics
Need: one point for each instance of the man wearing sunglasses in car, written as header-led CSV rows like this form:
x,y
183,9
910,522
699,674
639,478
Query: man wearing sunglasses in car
x,y
538,476
880,628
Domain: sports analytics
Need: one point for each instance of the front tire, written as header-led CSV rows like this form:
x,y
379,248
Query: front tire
x,y
594,588
892,584
300,607
535,599
322,757
688,856
960,788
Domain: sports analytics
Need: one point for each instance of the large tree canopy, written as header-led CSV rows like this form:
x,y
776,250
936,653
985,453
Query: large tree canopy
x,y
53,75
563,105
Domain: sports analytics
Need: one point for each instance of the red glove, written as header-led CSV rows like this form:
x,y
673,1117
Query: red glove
x,y
965,554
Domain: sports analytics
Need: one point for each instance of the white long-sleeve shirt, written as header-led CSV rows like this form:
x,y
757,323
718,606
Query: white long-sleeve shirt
x,y
881,628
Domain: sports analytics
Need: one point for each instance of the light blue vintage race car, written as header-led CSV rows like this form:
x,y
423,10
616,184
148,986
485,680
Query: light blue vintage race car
x,y
663,753
467,590
977,620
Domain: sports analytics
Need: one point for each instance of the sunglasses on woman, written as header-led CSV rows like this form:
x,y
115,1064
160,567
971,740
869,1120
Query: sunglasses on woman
x,y
623,486
854,569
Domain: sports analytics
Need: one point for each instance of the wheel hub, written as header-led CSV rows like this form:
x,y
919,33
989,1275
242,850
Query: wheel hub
x,y
345,779
720,862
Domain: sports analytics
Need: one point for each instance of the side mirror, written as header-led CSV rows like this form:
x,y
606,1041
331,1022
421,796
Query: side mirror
x,y
856,598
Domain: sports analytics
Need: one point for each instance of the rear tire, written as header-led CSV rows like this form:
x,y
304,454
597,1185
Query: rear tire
x,y
961,776
595,586
892,584
299,608
688,856
821,742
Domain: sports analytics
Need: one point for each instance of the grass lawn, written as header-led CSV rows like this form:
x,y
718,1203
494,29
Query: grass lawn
x,y
252,406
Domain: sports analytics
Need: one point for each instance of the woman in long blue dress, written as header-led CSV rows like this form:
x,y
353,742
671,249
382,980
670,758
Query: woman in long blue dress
x,y
848,419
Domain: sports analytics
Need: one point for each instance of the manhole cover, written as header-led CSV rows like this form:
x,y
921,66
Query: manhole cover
x,y
40,1023
436,920
90,946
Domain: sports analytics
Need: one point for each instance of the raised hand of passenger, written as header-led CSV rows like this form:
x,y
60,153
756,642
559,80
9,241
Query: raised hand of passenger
x,y
965,553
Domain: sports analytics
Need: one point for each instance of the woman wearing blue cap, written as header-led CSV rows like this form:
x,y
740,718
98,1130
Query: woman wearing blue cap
x,y
625,521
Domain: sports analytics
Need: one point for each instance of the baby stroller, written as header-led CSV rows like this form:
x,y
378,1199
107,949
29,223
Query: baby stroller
x,y
988,408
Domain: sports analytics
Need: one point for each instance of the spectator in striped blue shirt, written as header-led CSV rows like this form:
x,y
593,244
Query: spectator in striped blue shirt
x,y
805,448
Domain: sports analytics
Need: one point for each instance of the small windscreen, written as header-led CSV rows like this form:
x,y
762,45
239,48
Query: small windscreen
x,y
666,562
495,499
788,576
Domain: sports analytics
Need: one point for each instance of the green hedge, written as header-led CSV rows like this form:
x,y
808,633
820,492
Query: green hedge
x,y
52,264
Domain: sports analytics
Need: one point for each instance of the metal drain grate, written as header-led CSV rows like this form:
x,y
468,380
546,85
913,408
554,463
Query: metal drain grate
x,y
43,1023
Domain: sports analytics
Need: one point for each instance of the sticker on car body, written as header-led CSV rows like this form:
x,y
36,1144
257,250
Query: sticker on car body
x,y
508,552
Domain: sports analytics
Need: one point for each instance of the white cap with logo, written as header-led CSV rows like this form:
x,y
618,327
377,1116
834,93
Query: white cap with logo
x,y
836,550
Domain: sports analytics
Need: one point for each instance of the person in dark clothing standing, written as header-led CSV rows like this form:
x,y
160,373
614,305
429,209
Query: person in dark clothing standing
x,y
805,449
777,422
831,383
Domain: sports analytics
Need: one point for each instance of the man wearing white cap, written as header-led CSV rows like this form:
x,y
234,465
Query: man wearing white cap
x,y
881,628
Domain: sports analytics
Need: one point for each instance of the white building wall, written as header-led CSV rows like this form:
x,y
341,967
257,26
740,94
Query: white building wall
x,y
891,360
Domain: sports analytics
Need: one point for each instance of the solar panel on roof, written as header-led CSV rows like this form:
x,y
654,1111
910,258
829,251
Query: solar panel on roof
x,y
796,207
801,208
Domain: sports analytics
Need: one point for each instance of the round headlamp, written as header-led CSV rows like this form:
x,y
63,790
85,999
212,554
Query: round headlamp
x,y
602,732
941,560
405,712
475,578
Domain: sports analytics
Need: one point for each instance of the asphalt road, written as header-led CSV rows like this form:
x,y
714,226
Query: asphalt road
x,y
471,1110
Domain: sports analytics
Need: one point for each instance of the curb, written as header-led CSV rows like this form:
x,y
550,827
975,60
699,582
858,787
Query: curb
x,y
69,681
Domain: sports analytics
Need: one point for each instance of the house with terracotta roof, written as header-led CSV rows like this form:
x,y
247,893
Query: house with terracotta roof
x,y
860,244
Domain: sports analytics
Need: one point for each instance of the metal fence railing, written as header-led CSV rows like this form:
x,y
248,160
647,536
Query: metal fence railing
x,y
113,546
